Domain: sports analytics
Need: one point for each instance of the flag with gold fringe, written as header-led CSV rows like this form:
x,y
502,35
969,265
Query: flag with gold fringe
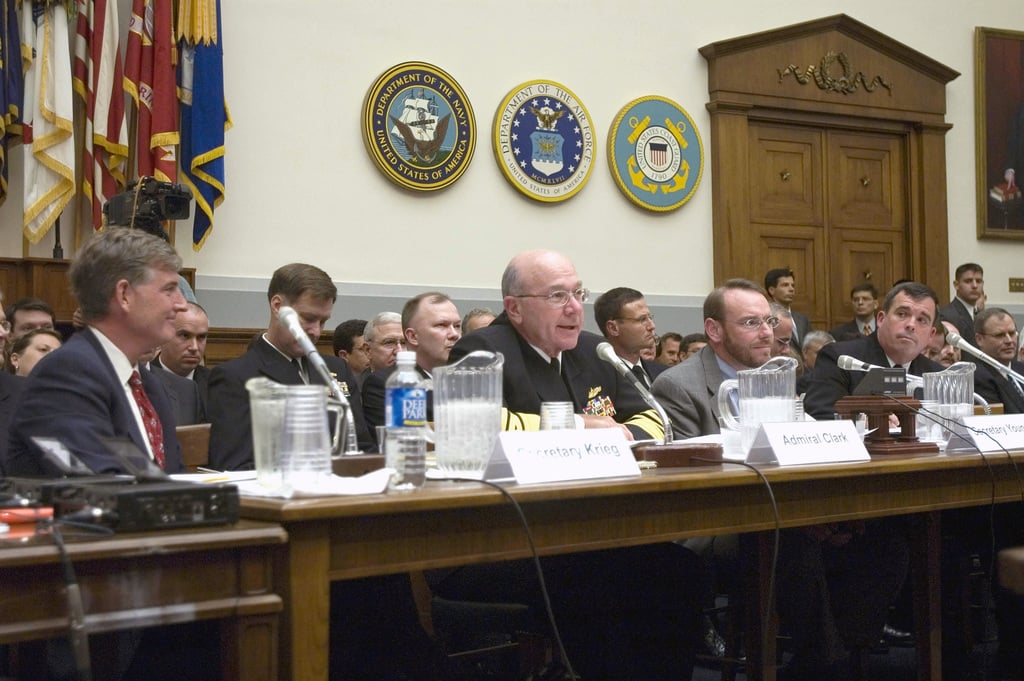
x,y
99,81
12,90
47,129
149,79
204,111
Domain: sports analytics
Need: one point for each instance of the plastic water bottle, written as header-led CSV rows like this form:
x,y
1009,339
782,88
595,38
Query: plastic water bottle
x,y
405,416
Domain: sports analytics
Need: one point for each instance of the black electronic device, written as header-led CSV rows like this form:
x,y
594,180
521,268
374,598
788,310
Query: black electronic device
x,y
160,505
146,203
883,381
61,492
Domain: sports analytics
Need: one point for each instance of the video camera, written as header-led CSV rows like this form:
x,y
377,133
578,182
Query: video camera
x,y
146,203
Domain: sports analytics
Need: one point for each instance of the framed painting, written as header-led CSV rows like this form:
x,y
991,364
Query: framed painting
x,y
999,123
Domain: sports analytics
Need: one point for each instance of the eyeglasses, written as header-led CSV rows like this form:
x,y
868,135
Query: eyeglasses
x,y
391,343
753,323
559,298
646,319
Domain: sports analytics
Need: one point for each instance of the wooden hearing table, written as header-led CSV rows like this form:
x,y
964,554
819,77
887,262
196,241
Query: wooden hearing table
x,y
130,581
445,524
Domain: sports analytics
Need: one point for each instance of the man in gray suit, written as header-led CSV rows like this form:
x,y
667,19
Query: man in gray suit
x,y
739,327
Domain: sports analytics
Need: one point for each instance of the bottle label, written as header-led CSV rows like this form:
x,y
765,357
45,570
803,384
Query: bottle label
x,y
405,407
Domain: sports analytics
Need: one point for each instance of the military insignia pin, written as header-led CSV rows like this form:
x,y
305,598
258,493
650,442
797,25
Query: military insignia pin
x,y
543,140
418,126
655,153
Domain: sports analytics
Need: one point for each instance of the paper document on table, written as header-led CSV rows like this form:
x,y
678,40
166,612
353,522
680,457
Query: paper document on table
x,y
373,482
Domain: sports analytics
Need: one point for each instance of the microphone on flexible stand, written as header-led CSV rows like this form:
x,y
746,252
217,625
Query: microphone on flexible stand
x,y
287,316
606,352
957,341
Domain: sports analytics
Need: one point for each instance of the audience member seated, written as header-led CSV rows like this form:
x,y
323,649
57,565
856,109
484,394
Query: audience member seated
x,y
432,327
864,301
184,393
31,347
996,335
691,345
668,348
126,284
26,314
183,355
477,318
278,356
385,337
938,350
629,613
813,344
350,345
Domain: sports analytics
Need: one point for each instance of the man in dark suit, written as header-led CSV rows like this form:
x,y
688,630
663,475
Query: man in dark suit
x,y
780,283
625,320
969,287
183,393
278,356
623,613
905,327
126,284
10,390
183,354
864,300
431,325
996,336
836,582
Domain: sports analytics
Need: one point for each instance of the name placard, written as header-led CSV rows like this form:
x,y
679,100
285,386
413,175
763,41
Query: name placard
x,y
807,442
557,455
994,433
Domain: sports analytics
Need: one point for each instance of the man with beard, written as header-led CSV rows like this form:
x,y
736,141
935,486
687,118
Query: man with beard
x,y
740,331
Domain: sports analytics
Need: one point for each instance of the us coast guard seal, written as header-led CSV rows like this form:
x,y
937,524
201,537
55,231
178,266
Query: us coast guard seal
x,y
418,126
543,140
655,153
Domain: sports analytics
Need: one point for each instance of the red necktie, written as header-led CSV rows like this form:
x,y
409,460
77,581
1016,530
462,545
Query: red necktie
x,y
154,429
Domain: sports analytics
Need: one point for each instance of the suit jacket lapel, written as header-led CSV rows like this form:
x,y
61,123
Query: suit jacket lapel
x,y
276,366
712,378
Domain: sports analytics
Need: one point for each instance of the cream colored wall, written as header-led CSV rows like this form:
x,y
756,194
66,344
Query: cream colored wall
x,y
302,187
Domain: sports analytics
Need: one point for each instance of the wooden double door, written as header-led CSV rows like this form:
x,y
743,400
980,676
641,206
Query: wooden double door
x,y
832,205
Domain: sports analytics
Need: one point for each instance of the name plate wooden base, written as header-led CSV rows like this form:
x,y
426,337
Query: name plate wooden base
x,y
680,454
879,441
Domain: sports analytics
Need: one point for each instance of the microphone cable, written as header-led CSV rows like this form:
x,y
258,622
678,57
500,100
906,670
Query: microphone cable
x,y
776,534
943,423
535,557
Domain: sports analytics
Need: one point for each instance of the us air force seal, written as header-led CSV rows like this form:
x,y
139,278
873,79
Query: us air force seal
x,y
418,126
655,153
543,140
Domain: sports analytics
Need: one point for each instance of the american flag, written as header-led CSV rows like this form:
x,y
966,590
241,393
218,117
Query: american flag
x,y
150,80
99,81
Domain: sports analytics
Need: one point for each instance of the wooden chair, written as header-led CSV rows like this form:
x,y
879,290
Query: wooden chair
x,y
195,445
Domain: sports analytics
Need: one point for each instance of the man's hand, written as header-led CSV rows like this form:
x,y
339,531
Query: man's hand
x,y
605,422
